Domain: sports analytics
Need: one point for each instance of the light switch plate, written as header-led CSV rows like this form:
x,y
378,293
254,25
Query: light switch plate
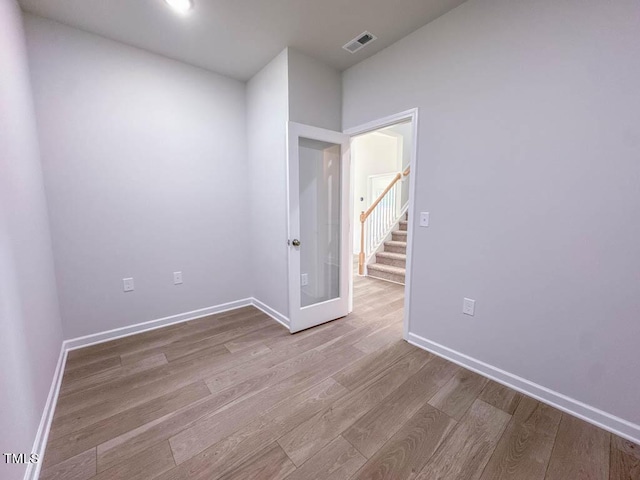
x,y
424,219
127,284
177,278
469,306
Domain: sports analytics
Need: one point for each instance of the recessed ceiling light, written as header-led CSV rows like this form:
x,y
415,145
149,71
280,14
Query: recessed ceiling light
x,y
180,6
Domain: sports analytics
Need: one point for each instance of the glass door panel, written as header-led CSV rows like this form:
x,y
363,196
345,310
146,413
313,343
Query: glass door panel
x,y
320,220
319,235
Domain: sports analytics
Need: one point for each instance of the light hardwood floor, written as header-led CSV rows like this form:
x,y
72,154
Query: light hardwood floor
x,y
235,396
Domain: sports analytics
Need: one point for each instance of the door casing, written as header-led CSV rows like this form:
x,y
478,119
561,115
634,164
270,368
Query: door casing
x,y
407,115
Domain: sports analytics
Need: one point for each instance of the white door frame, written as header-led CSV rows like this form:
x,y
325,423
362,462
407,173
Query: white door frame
x,y
411,115
301,318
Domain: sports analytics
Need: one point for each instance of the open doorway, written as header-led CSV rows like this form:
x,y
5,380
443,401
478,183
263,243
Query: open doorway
x,y
382,166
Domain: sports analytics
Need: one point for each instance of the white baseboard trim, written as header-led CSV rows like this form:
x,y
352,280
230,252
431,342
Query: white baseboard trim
x,y
595,416
33,469
42,435
101,337
277,316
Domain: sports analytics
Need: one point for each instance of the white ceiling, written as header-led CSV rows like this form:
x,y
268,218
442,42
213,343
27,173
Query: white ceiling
x,y
238,37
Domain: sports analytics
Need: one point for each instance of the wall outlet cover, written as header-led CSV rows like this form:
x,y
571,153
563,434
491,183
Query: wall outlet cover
x,y
304,279
177,278
127,284
469,306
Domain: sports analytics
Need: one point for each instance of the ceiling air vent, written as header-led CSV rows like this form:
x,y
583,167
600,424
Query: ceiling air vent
x,y
360,41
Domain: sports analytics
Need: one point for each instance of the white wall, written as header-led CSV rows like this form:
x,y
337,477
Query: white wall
x,y
315,92
529,140
404,131
292,87
267,115
371,154
145,165
29,316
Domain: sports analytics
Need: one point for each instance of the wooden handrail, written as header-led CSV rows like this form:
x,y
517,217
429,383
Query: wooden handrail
x,y
364,215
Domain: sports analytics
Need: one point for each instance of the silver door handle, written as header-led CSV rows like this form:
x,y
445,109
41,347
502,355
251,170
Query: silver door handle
x,y
295,242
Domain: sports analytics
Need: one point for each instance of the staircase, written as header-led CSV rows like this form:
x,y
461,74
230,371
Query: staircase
x,y
390,264
376,222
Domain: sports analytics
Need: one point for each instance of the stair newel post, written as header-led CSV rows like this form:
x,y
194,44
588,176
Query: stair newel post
x,y
361,256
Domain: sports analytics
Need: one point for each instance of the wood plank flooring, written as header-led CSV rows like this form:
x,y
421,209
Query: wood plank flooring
x,y
234,396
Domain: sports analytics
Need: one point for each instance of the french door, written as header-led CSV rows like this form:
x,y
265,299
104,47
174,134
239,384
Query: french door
x,y
319,234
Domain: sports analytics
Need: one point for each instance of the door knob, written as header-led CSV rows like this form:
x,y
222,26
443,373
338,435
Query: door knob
x,y
295,242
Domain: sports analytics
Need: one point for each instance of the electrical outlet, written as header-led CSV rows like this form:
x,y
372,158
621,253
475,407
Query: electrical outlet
x,y
304,279
469,306
127,284
424,219
177,278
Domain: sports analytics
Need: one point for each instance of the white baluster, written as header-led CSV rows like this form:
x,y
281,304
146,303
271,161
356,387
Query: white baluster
x,y
380,222
388,222
393,202
374,226
370,234
377,226
384,213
